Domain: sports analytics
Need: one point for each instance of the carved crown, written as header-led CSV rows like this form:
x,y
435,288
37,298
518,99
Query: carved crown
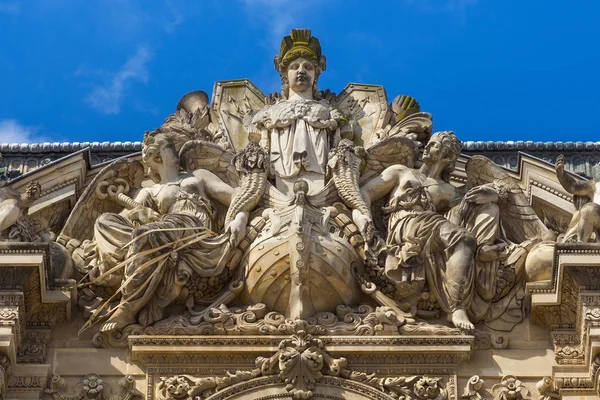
x,y
300,43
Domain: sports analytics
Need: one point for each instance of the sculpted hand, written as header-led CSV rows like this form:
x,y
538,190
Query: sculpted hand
x,y
482,195
142,214
237,229
363,223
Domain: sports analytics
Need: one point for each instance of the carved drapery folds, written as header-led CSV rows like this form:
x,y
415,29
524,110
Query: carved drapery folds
x,y
247,207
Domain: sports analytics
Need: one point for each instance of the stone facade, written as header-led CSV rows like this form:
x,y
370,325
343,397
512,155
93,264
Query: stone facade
x,y
301,245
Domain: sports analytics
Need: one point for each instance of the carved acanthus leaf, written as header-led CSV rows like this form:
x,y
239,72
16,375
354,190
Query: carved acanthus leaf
x,y
475,389
5,372
301,363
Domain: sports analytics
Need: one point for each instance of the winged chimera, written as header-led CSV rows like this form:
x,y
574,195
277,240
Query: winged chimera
x,y
298,204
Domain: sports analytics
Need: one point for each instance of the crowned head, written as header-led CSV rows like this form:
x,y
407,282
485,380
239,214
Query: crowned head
x,y
300,62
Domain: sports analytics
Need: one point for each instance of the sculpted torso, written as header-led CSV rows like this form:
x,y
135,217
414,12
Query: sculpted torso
x,y
440,193
165,195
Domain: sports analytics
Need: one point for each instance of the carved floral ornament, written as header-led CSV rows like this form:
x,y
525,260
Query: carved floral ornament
x,y
93,387
511,388
300,364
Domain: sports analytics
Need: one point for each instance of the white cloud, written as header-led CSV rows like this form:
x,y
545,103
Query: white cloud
x,y
459,5
279,15
11,131
134,20
173,18
10,7
108,96
443,6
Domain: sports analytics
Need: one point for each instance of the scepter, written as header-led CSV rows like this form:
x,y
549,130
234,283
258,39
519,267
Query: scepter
x,y
116,192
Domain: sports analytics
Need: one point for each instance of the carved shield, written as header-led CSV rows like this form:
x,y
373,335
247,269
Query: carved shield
x,y
234,103
367,106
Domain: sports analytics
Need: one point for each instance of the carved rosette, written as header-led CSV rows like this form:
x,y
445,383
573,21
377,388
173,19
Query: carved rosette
x,y
511,388
93,387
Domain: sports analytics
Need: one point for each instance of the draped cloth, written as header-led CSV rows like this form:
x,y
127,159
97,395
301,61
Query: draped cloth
x,y
152,284
299,146
300,133
419,242
150,264
499,295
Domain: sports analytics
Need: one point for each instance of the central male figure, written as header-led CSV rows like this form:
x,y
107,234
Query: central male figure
x,y
422,244
300,129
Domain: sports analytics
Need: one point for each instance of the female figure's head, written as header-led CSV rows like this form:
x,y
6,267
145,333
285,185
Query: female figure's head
x,y
300,63
160,154
443,147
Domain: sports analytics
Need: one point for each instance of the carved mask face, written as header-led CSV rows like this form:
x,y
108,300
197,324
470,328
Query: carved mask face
x,y
301,75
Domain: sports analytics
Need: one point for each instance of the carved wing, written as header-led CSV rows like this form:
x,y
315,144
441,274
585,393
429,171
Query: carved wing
x,y
326,196
519,220
273,198
392,151
90,206
198,154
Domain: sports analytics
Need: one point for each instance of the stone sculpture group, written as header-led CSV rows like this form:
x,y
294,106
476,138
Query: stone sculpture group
x,y
302,204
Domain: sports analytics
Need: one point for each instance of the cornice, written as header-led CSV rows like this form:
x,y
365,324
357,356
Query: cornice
x,y
509,145
468,146
69,147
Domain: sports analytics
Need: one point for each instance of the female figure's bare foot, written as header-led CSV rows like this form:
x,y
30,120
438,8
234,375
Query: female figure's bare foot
x,y
461,320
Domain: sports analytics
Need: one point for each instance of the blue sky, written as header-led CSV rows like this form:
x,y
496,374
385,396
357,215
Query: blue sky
x,y
487,69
